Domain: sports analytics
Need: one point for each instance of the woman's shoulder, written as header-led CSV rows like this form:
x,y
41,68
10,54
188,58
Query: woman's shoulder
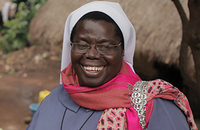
x,y
167,116
53,97
57,88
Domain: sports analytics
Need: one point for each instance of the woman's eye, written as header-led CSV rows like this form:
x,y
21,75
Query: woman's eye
x,y
83,46
106,46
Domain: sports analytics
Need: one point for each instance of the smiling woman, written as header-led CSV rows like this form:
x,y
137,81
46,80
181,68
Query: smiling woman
x,y
99,88
96,65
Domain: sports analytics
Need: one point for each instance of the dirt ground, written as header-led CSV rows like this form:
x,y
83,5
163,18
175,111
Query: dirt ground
x,y
21,80
18,92
23,74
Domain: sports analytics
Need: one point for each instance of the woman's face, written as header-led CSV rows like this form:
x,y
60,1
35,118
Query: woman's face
x,y
92,68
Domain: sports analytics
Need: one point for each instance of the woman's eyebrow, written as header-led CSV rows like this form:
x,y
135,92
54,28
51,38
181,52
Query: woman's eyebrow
x,y
103,39
82,38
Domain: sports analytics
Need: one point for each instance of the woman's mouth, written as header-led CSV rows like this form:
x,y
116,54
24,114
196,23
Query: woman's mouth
x,y
93,68
92,71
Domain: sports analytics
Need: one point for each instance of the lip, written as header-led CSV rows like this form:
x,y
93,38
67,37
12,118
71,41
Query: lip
x,y
92,71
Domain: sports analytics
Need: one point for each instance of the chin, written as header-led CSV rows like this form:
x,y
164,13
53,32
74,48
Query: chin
x,y
91,84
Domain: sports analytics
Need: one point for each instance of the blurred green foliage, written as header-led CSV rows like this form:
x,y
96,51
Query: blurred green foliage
x,y
15,31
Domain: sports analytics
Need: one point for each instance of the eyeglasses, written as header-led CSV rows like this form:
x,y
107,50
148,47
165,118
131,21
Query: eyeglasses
x,y
102,49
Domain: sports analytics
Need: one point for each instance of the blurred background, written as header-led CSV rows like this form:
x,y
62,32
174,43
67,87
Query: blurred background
x,y
31,32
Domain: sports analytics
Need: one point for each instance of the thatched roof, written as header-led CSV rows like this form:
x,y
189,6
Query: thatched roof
x,y
157,24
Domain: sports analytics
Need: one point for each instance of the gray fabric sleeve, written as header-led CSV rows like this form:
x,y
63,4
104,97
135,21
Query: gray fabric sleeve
x,y
167,116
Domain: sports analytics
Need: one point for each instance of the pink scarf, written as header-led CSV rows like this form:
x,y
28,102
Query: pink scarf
x,y
113,94
110,95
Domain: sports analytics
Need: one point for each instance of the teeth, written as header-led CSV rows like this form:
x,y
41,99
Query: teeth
x,y
90,68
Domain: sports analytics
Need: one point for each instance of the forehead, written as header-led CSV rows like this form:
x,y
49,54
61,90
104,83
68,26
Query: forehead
x,y
96,25
98,29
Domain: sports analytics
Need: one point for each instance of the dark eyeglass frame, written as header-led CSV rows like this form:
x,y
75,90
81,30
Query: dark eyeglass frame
x,y
97,46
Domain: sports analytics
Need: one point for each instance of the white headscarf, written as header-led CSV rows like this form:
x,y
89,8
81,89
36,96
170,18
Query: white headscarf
x,y
113,10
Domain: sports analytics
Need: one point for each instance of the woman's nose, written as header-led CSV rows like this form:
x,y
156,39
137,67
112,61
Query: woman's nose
x,y
93,53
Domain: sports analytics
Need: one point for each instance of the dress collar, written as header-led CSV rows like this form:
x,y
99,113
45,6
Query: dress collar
x,y
66,100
